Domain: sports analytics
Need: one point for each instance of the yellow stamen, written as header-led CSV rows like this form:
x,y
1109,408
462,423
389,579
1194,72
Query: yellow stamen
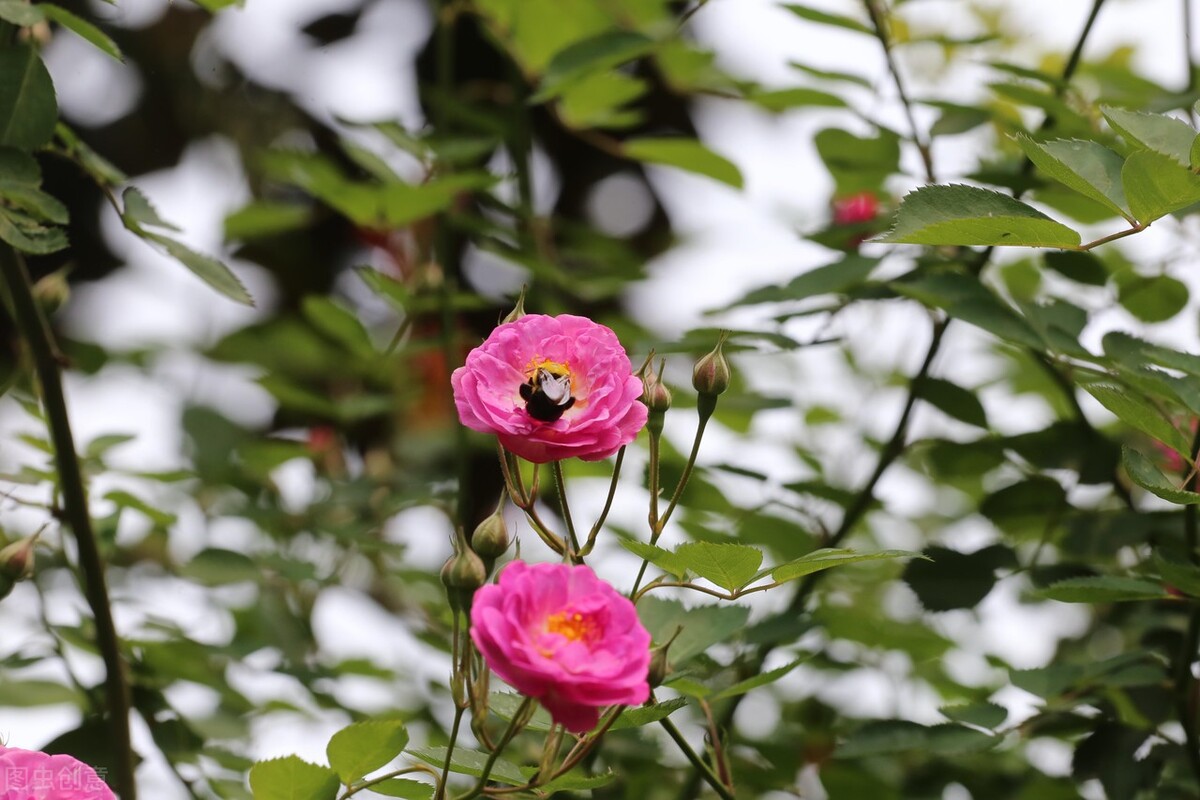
x,y
572,626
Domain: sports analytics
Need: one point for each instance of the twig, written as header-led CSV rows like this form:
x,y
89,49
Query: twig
x,y
36,331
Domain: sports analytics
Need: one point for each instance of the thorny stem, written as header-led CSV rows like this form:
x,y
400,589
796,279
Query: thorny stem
x,y
36,331
879,26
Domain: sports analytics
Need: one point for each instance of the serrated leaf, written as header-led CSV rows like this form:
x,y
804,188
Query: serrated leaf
x,y
953,401
1103,589
28,107
966,215
1088,167
291,778
702,626
758,681
1139,414
644,715
574,781
984,715
1145,474
470,762
663,559
828,558
363,747
686,154
138,212
887,737
28,235
1183,576
730,566
1163,134
506,704
215,566
826,18
208,269
1156,185
82,28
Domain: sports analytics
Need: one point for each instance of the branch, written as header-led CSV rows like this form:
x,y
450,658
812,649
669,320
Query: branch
x,y
36,331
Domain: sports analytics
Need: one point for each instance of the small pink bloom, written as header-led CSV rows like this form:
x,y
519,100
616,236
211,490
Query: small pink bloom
x,y
30,775
551,388
855,208
562,635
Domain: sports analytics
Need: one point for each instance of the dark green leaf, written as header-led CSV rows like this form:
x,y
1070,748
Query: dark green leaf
x,y
825,18
1143,472
984,715
28,108
469,762
217,567
833,278
1103,589
593,55
663,559
687,154
139,212
827,558
266,218
702,626
965,215
950,580
208,269
1151,299
404,788
954,401
1082,268
1138,413
644,715
779,100
758,681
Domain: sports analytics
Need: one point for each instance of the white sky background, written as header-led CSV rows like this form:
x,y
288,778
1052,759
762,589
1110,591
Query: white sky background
x,y
733,241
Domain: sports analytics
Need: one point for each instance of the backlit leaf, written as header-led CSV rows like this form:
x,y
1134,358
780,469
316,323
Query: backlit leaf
x,y
965,215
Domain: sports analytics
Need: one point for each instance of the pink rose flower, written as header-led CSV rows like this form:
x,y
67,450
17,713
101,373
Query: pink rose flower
x,y
551,388
560,634
30,775
855,208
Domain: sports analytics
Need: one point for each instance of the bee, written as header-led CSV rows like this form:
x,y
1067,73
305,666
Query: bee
x,y
547,394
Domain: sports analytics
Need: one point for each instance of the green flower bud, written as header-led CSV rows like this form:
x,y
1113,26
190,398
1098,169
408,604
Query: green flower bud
x,y
490,538
52,291
462,574
711,375
655,394
518,310
660,666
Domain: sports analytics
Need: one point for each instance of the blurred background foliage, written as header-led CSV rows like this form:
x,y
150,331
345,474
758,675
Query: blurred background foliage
x,y
379,250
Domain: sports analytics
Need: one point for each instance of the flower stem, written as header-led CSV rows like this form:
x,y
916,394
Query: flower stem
x,y
520,718
36,331
560,483
441,790
608,501
687,469
703,769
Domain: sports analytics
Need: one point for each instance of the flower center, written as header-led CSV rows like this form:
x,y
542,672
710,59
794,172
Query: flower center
x,y
573,626
547,390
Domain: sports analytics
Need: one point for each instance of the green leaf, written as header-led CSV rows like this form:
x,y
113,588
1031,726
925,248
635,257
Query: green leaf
x,y
953,401
339,324
33,693
1156,185
364,747
1158,132
948,579
28,108
404,788
833,278
1156,298
208,269
730,566
1103,589
217,567
825,18
858,163
702,626
1138,413
1088,167
758,681
1082,268
506,704
27,234
595,54
663,559
965,215
687,154
82,28
470,762
984,715
574,781
20,13
138,212
291,778
780,100
1183,576
1145,474
1194,155
644,715
891,736
266,218
827,558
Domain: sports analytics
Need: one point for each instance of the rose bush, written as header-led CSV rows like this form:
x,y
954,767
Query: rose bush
x,y
551,388
560,634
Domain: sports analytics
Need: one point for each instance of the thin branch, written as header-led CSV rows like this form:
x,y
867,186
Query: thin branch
x,y
704,770
36,331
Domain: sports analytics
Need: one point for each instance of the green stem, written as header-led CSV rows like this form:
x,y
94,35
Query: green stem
x,y
387,776
441,789
608,501
514,727
560,483
687,469
36,331
703,769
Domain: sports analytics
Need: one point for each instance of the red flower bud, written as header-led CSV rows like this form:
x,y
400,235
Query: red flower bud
x,y
855,208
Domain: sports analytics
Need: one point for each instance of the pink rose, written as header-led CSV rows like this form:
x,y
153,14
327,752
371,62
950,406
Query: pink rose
x,y
551,388
855,208
562,635
30,775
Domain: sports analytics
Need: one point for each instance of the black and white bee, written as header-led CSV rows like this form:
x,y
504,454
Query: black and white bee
x,y
547,394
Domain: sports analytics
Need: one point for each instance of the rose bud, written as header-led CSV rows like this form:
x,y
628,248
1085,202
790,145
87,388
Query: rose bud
x,y
462,574
490,538
855,208
711,374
